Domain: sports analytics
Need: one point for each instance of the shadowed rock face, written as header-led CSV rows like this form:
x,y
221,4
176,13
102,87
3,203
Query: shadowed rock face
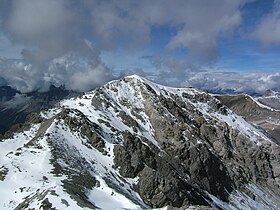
x,y
264,118
172,147
15,106
7,93
160,184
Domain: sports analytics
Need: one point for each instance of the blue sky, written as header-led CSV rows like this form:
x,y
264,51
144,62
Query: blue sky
x,y
237,52
240,53
162,37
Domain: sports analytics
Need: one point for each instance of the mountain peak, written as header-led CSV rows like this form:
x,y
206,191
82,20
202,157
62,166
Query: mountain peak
x,y
135,144
135,76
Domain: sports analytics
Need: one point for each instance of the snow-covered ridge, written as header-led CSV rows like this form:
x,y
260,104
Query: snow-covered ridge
x,y
254,99
262,105
130,89
78,144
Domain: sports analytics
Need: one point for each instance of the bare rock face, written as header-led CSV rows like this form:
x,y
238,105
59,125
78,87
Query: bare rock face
x,y
159,184
195,151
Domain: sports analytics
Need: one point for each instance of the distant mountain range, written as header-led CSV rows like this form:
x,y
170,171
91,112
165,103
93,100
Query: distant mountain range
x,y
134,144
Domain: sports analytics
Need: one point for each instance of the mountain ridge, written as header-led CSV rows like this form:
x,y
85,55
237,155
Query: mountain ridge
x,y
16,107
141,145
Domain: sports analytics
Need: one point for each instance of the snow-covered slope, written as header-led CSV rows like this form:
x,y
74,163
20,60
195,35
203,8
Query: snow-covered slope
x,y
262,116
133,144
270,99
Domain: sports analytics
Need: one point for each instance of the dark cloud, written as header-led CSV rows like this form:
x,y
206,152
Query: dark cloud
x,y
45,26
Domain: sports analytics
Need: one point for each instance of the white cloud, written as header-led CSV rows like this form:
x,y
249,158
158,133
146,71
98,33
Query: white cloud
x,y
71,70
268,30
203,23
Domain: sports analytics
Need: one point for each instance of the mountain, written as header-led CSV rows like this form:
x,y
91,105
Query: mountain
x,y
15,106
270,98
259,111
133,144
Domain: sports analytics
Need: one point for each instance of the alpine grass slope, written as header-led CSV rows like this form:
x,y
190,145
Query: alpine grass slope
x,y
133,144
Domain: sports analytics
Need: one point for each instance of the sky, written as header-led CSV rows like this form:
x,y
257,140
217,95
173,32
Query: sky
x,y
83,44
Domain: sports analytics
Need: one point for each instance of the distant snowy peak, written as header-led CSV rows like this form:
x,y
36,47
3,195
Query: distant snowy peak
x,y
271,99
270,92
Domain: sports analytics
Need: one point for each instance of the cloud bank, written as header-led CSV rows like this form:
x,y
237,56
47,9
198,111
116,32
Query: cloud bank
x,y
230,82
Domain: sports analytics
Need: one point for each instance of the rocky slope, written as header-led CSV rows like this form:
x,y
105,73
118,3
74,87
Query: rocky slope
x,y
260,111
134,144
271,99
